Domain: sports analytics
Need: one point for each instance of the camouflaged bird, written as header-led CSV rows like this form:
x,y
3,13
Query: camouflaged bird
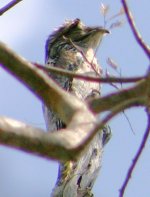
x,y
72,47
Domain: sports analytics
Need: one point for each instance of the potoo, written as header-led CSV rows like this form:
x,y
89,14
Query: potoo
x,y
72,47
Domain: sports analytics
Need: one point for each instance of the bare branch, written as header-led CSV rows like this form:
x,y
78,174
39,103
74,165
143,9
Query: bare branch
x,y
136,158
71,110
81,122
33,140
8,6
137,95
89,77
40,84
57,145
136,33
67,144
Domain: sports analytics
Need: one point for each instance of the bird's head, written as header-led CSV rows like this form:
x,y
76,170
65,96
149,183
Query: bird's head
x,y
84,36
76,32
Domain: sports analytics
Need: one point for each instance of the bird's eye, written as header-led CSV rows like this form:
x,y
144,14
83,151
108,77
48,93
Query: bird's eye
x,y
79,24
77,21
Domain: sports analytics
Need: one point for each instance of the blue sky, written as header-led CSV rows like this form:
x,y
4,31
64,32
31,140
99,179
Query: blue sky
x,y
25,29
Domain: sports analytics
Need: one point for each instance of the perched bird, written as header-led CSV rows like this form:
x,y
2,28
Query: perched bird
x,y
72,47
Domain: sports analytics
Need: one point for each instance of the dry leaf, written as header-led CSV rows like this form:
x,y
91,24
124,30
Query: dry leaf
x,y
121,12
112,63
104,9
116,24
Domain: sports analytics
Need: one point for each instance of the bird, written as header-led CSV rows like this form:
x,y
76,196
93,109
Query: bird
x,y
72,47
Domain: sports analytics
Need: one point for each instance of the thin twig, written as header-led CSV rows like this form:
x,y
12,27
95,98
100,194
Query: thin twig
x,y
136,33
136,158
130,125
8,6
89,78
83,55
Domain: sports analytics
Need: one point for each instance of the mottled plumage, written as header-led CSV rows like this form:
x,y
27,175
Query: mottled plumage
x,y
72,47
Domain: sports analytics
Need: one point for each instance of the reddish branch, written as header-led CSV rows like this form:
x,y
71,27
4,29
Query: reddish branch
x,y
8,6
146,49
136,158
89,77
136,33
